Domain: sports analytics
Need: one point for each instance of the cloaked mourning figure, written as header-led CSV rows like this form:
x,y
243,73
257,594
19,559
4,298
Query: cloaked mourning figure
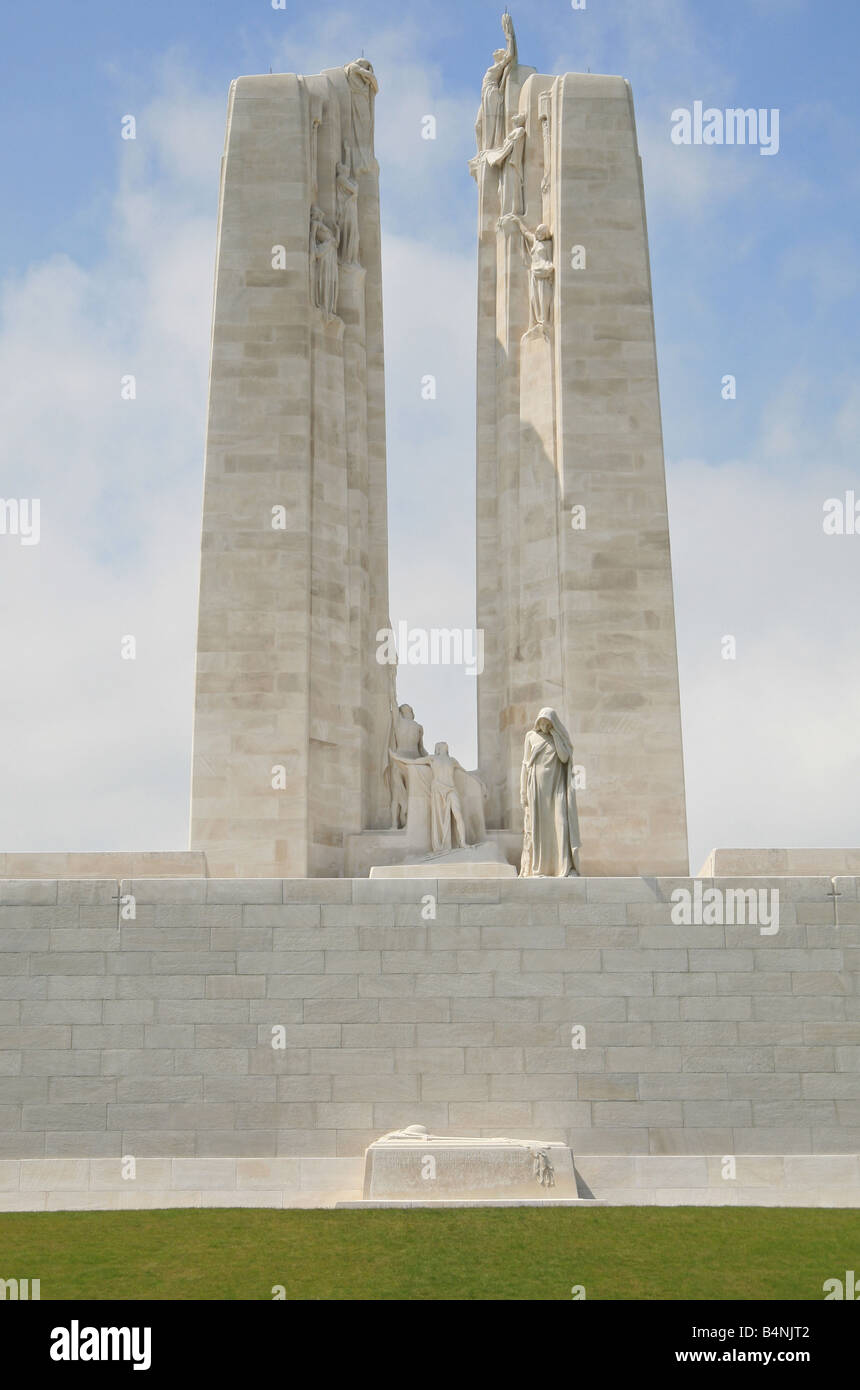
x,y
551,825
363,87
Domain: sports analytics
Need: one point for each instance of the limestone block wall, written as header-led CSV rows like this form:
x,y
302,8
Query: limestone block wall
x,y
447,1003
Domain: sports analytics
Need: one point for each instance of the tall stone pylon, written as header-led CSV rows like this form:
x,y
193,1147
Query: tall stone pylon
x,y
574,572
291,705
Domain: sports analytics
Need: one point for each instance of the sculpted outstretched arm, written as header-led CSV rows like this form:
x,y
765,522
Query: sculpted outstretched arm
x,y
409,762
527,236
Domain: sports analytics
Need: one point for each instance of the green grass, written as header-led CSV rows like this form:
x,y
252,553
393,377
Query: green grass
x,y
518,1253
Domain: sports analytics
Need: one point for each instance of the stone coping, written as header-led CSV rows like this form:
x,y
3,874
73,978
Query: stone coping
x,y
779,862
101,889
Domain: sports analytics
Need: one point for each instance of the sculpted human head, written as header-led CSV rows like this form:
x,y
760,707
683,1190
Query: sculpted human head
x,y
407,711
441,748
546,720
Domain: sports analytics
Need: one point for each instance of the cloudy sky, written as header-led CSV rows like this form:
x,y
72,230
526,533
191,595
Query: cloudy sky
x,y
106,256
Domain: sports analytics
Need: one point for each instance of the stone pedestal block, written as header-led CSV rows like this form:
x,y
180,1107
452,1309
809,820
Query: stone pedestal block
x,y
438,1169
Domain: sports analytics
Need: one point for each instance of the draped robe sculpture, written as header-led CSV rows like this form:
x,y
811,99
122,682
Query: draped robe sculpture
x,y
538,248
509,160
347,214
323,263
551,825
492,117
363,87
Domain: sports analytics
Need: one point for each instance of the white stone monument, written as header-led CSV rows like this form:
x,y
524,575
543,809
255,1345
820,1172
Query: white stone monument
x,y
574,575
292,771
437,814
291,705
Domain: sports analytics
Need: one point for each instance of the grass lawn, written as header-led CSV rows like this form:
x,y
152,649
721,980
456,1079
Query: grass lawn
x,y
519,1253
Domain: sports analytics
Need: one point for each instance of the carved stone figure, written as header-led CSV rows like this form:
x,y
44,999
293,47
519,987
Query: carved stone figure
x,y
543,1169
491,123
347,215
447,826
323,263
417,1134
545,118
509,159
551,825
317,108
363,87
405,743
538,246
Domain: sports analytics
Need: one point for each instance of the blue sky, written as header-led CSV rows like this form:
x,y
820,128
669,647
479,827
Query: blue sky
x,y
105,267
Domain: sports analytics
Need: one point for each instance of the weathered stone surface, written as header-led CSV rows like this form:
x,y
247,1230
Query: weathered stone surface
x,y
481,1020
432,1168
568,416
291,704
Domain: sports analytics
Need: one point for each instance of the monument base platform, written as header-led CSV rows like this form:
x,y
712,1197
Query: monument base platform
x,y
376,849
728,863
702,1038
393,1205
486,860
316,1181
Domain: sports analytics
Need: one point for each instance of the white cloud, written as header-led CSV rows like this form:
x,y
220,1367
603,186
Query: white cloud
x,y
101,750
772,754
97,749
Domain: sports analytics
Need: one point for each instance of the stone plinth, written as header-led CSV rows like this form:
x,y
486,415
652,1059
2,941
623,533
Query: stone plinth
x,y
101,864
464,1168
486,860
392,848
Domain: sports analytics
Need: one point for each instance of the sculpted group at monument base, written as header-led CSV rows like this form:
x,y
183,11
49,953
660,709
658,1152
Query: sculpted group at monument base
x,y
437,810
437,807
